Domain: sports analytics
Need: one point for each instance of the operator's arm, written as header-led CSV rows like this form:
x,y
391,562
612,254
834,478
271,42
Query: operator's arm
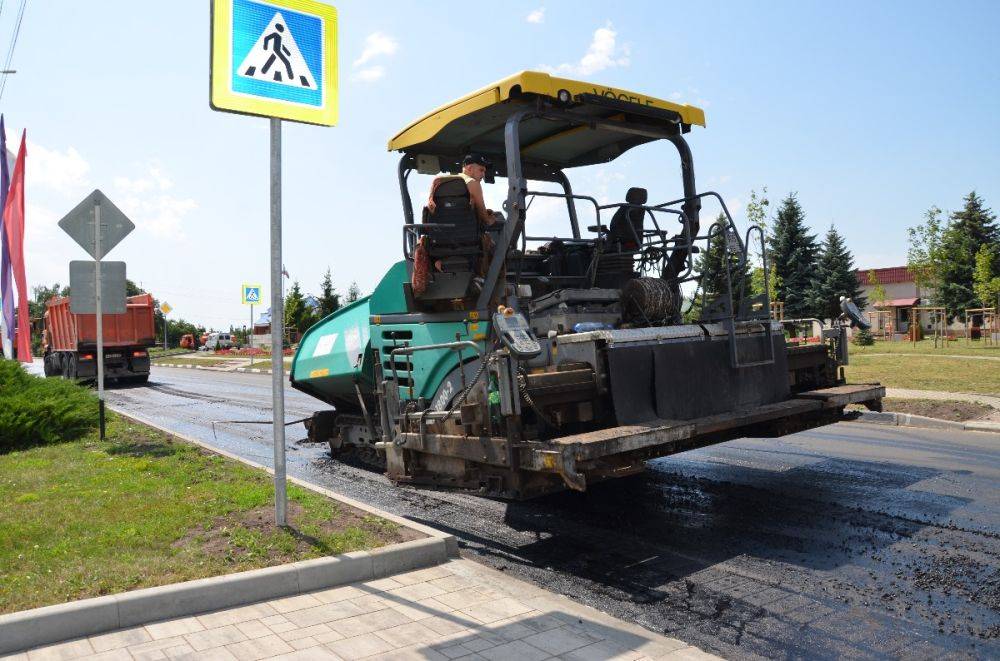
x,y
479,204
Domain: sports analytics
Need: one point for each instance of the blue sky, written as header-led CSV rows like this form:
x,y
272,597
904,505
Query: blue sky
x,y
871,111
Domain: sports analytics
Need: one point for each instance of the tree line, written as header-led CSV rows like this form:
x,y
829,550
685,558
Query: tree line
x,y
301,314
957,258
809,276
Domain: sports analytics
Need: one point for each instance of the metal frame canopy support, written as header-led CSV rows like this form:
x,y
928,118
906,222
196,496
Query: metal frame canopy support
x,y
280,64
300,84
517,190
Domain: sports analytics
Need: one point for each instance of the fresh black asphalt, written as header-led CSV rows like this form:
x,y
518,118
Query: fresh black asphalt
x,y
846,541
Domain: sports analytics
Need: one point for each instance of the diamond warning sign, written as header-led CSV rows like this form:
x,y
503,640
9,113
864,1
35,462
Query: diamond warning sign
x,y
275,58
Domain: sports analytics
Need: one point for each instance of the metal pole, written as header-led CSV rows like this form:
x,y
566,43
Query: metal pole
x,y
250,335
100,316
277,332
164,330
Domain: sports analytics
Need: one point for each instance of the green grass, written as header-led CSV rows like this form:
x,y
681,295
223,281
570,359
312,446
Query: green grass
x,y
37,411
206,362
89,518
159,352
265,364
926,372
954,348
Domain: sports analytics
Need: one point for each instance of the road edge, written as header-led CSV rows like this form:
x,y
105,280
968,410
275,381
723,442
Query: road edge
x,y
27,629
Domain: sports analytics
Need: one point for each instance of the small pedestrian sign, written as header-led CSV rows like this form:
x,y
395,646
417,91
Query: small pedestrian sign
x,y
251,294
165,307
275,58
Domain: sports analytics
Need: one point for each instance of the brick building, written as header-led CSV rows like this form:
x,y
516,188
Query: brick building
x,y
892,315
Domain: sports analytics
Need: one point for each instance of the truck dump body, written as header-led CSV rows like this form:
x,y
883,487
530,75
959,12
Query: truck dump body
x,y
71,339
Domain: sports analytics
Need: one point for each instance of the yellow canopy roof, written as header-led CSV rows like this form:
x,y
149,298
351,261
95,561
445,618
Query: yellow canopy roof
x,y
476,121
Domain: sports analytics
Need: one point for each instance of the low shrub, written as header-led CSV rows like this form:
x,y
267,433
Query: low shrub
x,y
37,411
863,338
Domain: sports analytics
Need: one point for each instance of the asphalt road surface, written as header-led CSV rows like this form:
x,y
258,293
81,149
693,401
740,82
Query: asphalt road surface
x,y
846,541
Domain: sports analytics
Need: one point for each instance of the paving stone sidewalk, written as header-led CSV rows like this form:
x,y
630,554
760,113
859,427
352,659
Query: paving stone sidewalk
x,y
458,610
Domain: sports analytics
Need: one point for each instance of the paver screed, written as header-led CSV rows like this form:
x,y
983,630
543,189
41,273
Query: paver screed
x,y
458,610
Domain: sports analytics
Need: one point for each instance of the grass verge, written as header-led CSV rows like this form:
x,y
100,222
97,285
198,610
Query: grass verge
x,y
160,352
89,518
954,348
935,408
926,373
205,362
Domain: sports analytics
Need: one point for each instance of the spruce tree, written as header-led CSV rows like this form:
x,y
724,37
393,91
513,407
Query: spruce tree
x,y
329,299
834,277
712,264
353,292
968,231
793,252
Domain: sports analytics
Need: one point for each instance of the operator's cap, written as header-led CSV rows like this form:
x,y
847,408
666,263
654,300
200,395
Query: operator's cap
x,y
476,158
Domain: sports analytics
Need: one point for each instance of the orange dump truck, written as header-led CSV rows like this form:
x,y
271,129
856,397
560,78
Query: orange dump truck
x,y
70,341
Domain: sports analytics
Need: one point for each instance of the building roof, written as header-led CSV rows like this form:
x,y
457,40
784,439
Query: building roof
x,y
898,303
887,276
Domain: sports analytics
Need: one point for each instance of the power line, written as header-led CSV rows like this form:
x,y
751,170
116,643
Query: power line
x,y
13,44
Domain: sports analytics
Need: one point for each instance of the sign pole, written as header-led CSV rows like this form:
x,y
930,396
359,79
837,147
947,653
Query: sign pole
x,y
250,335
164,329
277,332
100,316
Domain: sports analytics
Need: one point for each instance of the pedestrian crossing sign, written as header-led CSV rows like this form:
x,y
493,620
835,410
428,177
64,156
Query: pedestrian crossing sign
x,y
251,294
275,58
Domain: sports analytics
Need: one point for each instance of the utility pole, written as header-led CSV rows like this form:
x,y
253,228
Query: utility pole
x,y
277,334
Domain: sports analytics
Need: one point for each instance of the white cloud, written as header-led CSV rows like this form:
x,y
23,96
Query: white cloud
x,y
153,179
369,74
146,202
603,53
537,16
63,172
377,44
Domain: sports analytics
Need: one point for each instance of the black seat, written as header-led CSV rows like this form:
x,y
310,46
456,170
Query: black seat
x,y
458,244
453,239
627,224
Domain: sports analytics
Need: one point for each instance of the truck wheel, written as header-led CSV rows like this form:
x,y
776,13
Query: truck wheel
x,y
47,366
69,367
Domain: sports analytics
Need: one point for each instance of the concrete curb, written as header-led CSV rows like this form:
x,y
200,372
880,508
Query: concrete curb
x,y
86,617
911,420
51,624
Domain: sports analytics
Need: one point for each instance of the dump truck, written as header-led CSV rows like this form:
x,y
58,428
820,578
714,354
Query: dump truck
x,y
69,341
531,359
